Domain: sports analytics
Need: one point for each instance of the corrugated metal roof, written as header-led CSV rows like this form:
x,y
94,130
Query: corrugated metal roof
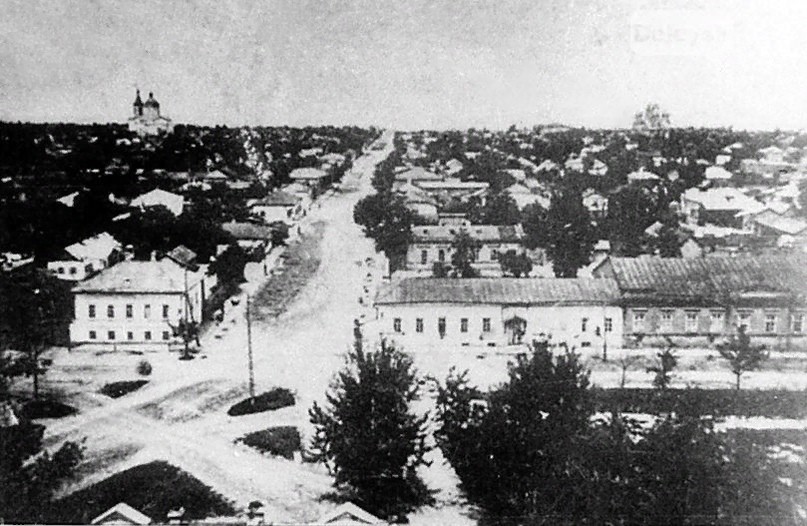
x,y
500,291
711,276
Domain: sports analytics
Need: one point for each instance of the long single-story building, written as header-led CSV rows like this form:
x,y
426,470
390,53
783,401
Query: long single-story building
x,y
697,301
417,312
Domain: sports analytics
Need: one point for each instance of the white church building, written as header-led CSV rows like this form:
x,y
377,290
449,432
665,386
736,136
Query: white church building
x,y
147,119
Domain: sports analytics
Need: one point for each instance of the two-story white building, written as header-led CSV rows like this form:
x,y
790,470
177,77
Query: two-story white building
x,y
136,305
420,313
432,244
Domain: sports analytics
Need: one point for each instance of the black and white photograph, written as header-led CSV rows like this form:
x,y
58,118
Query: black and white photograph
x,y
426,262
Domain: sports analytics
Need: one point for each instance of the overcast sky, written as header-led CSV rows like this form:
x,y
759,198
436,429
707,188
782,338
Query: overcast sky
x,y
407,64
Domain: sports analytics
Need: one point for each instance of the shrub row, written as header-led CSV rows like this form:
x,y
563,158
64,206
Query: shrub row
x,y
46,409
268,401
282,441
118,389
714,402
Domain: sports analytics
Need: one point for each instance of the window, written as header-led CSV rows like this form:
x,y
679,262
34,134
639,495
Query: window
x,y
583,324
494,254
770,322
60,270
129,311
147,335
692,321
424,257
93,335
798,322
441,256
166,335
608,324
110,335
441,327
130,335
666,320
419,325
463,324
485,324
91,312
396,325
146,311
638,320
716,323
110,311
165,311
72,271
743,318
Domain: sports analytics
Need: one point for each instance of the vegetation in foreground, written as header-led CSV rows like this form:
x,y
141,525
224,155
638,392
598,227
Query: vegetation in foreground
x,y
118,389
368,435
281,441
154,489
532,451
277,398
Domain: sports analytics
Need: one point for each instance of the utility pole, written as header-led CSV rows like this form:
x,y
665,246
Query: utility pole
x,y
249,355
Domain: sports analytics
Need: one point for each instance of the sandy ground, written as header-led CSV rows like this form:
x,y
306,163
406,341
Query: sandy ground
x,y
180,416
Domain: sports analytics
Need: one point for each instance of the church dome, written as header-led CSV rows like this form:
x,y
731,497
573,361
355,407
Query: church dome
x,y
151,102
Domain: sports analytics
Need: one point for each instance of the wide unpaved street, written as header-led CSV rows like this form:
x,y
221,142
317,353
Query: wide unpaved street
x,y
180,416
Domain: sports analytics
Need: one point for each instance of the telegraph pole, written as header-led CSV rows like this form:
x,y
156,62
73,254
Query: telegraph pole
x,y
249,355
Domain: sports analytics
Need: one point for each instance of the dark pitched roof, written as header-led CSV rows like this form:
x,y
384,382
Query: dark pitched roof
x,y
711,277
500,291
278,198
248,230
183,255
484,233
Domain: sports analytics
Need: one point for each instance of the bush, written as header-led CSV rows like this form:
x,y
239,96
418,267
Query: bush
x,y
118,389
269,401
154,489
46,409
714,402
143,368
282,441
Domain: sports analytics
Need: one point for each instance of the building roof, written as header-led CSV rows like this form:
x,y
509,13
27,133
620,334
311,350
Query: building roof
x,y
128,514
500,291
100,246
484,233
158,197
308,174
713,173
348,514
248,230
642,175
722,199
278,198
183,256
711,277
164,276
417,173
452,185
151,101
781,224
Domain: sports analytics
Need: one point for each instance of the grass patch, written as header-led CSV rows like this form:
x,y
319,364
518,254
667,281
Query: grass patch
x,y
118,389
268,401
154,489
302,259
281,441
714,402
45,408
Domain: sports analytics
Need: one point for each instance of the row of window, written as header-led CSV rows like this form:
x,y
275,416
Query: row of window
x,y
716,321
110,311
397,325
73,270
112,335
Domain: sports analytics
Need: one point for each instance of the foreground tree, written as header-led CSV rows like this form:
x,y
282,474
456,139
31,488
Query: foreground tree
x,y
741,354
369,436
30,474
533,451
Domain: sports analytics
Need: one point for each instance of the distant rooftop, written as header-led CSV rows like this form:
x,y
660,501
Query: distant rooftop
x,y
484,233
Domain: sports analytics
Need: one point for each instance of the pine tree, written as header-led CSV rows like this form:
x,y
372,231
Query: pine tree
x,y
368,435
741,354
570,233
